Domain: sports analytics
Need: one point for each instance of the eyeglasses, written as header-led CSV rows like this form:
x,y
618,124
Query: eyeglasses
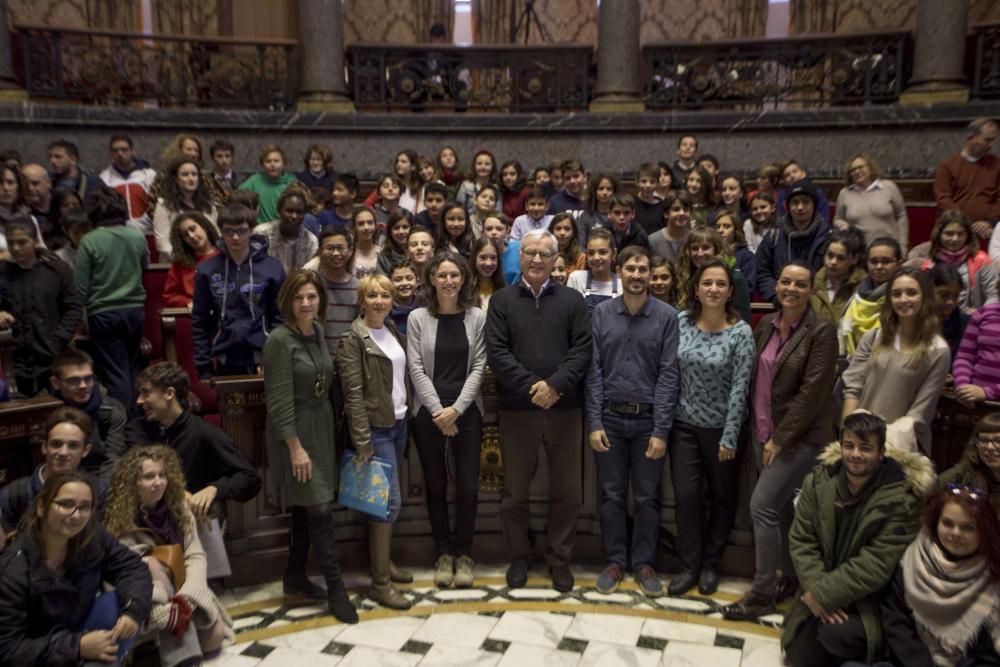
x,y
233,231
69,508
986,443
543,254
957,489
79,380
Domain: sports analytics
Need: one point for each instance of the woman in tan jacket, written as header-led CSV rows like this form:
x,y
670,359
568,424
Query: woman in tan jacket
x,y
793,416
371,361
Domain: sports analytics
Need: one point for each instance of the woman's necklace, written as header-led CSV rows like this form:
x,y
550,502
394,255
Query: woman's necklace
x,y
320,387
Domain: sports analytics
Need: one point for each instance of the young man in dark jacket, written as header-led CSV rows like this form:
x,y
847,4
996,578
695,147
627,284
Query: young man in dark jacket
x,y
74,383
538,342
39,302
235,299
854,518
66,444
801,235
214,469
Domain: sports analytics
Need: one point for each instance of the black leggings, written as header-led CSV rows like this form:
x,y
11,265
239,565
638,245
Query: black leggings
x,y
432,446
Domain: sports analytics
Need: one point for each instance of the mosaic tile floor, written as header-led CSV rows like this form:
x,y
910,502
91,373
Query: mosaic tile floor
x,y
490,625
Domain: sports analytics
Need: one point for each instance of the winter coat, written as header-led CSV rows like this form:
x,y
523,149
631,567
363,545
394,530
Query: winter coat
x,y
784,244
833,311
47,311
41,612
235,306
885,527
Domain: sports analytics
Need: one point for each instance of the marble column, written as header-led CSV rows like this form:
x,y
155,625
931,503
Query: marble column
x,y
618,87
321,57
939,53
10,91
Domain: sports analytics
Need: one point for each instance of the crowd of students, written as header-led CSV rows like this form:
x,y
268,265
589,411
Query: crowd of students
x,y
618,320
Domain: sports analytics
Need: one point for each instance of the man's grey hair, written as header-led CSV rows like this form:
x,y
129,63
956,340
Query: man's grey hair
x,y
541,234
976,127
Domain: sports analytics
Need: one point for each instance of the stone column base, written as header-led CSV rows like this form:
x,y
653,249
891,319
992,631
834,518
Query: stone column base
x,y
617,104
324,102
934,92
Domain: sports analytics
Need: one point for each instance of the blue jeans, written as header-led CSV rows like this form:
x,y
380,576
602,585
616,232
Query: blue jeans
x,y
103,615
389,444
626,461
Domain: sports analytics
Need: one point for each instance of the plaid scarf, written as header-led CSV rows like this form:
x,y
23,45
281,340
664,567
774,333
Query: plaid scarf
x,y
951,600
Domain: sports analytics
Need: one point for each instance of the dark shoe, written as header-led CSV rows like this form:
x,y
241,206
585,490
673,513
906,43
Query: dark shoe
x,y
785,588
749,608
340,604
517,573
302,586
608,582
649,582
708,582
682,583
562,578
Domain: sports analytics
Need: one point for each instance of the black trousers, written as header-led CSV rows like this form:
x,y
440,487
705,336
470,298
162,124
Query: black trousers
x,y
818,644
433,447
702,532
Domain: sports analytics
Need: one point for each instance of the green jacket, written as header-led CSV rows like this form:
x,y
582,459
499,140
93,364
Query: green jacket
x,y
366,380
833,311
268,190
887,525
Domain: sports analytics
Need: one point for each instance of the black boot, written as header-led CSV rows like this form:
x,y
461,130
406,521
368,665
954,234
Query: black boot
x,y
322,534
295,581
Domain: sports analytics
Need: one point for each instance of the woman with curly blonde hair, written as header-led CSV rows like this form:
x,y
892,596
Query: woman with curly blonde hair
x,y
146,508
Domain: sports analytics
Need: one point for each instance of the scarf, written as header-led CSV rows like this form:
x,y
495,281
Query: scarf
x,y
953,257
951,600
92,407
160,521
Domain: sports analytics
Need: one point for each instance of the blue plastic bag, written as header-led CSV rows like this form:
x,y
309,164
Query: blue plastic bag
x,y
365,486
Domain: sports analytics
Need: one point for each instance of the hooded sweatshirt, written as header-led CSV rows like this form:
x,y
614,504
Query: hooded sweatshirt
x,y
133,185
785,244
235,305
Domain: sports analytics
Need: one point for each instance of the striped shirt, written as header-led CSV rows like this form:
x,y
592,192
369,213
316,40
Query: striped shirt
x,y
978,358
341,310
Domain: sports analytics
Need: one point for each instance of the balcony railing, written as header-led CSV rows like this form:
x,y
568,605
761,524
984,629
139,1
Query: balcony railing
x,y
986,70
800,72
480,78
115,68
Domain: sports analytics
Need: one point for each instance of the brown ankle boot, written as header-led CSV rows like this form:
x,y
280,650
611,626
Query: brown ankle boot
x,y
382,590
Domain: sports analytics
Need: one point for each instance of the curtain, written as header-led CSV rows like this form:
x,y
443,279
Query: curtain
x,y
564,21
701,20
429,12
99,14
186,17
840,16
387,21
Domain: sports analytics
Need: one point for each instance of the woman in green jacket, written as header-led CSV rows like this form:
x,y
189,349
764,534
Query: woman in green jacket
x,y
298,373
838,279
371,362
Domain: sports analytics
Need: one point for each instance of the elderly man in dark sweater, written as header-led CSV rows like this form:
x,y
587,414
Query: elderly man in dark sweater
x,y
538,342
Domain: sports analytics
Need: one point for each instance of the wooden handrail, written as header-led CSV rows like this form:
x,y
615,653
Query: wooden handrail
x,y
808,38
166,37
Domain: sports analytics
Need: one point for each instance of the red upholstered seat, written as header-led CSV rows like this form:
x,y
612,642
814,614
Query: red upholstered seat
x,y
183,344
